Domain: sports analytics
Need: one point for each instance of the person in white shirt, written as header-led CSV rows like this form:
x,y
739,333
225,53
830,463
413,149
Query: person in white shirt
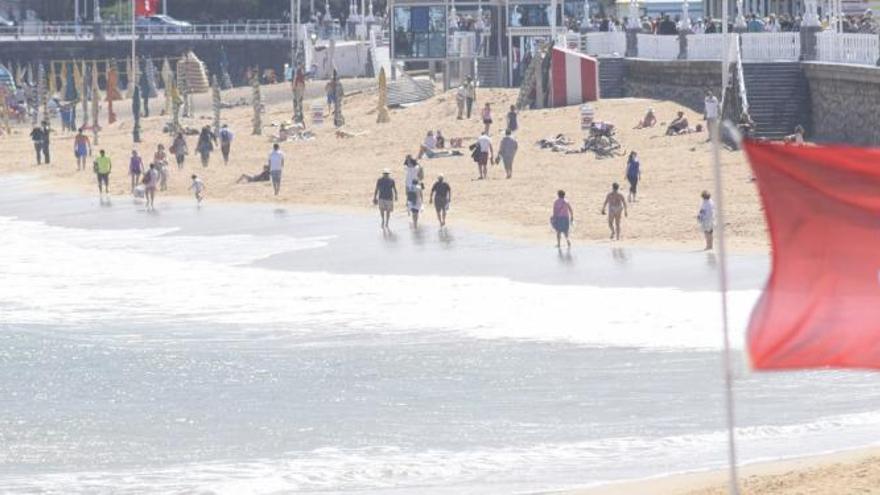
x,y
427,148
276,165
706,217
710,112
485,154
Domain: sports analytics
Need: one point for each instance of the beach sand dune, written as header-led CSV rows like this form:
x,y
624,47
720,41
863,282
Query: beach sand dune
x,y
340,173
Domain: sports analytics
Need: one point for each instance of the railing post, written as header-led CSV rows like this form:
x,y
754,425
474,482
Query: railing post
x,y
809,42
632,42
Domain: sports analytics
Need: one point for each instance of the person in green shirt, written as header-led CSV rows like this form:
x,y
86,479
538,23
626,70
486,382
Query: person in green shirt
x,y
102,167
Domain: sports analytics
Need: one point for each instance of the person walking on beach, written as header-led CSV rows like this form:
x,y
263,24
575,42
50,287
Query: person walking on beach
x,y
441,197
37,136
460,99
413,170
151,181
512,119
161,161
205,145
507,151
384,197
135,169
82,147
179,149
615,204
633,175
487,117
226,137
276,166
102,167
706,217
470,95
198,188
563,217
414,199
710,112
45,142
484,154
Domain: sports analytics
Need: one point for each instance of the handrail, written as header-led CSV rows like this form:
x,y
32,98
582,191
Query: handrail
x,y
741,81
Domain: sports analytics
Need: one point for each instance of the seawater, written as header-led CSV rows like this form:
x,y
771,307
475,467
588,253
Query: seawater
x,y
202,350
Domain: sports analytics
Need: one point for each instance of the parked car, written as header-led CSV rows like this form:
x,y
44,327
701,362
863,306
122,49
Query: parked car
x,y
162,24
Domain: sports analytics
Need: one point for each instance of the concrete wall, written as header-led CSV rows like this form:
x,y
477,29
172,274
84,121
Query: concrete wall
x,y
845,102
682,81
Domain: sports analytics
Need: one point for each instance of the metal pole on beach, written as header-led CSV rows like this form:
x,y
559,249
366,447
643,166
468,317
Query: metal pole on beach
x,y
134,65
722,254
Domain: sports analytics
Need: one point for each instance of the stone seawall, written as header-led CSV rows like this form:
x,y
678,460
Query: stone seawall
x,y
681,81
845,102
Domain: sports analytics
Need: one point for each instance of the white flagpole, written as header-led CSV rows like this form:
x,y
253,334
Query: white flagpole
x,y
722,255
722,282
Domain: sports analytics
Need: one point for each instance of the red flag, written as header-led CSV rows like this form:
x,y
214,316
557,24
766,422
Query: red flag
x,y
144,8
821,306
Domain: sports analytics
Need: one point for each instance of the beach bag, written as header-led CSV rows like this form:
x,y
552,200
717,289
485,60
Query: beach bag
x,y
475,152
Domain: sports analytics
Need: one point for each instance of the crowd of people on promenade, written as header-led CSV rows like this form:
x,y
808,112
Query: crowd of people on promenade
x,y
669,25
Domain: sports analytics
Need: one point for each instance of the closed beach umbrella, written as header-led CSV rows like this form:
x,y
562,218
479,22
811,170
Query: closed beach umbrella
x,y
149,85
71,89
112,82
7,80
53,80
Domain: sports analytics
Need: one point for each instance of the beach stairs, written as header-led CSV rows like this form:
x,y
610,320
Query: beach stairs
x,y
612,73
489,73
779,98
407,89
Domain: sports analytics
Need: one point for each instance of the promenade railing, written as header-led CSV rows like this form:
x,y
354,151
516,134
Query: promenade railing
x,y
707,46
770,47
77,32
658,47
848,48
604,44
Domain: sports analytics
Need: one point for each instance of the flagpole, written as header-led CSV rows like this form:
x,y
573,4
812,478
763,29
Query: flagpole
x,y
721,242
134,64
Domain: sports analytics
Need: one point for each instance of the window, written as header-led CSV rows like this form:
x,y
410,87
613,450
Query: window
x,y
419,32
533,15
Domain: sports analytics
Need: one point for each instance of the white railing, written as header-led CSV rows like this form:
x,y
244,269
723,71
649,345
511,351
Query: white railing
x,y
74,32
658,47
846,48
604,43
707,46
766,47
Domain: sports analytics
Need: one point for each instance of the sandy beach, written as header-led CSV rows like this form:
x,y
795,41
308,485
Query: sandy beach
x,y
339,174
850,472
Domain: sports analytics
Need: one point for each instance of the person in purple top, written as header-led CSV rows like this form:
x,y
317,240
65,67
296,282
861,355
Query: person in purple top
x,y
135,169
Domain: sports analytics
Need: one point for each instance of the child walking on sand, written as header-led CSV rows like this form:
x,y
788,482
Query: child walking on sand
x,y
198,188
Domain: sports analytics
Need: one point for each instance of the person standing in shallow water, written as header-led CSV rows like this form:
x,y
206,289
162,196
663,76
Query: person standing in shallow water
x,y
151,181
82,147
102,167
706,217
615,204
135,169
384,197
563,217
441,196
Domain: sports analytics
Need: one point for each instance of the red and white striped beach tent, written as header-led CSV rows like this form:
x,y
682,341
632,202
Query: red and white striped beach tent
x,y
574,78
